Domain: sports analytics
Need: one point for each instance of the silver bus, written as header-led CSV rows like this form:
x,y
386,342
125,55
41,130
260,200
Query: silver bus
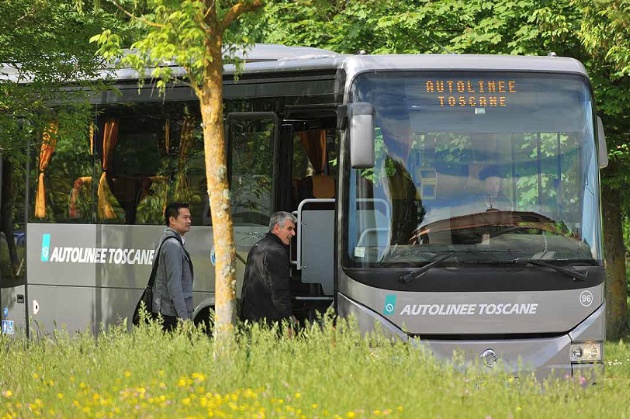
x,y
450,200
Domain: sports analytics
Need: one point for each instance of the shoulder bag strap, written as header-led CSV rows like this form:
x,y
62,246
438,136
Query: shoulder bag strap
x,y
156,260
187,256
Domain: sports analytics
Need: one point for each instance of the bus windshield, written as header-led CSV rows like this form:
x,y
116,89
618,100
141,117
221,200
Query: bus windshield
x,y
501,166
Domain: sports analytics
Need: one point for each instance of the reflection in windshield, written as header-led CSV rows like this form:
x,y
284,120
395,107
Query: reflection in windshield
x,y
508,174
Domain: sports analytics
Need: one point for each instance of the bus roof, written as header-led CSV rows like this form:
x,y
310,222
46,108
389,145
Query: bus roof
x,y
264,58
272,59
462,62
259,53
355,64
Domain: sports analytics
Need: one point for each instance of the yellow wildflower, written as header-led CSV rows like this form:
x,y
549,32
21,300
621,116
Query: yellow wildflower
x,y
198,376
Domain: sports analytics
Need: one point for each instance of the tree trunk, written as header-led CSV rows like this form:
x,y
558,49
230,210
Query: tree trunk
x,y
616,283
211,101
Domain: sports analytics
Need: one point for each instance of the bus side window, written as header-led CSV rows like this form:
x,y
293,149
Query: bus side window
x,y
315,179
175,170
251,153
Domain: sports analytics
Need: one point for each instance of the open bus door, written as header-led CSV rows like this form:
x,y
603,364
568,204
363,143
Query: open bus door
x,y
260,154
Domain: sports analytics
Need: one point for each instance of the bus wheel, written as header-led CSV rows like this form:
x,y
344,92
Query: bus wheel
x,y
204,318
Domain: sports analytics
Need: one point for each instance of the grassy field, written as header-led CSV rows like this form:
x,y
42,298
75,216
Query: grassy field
x,y
322,373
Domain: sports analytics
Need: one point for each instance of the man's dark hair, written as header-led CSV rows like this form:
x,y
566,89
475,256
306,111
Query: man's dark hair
x,y
172,210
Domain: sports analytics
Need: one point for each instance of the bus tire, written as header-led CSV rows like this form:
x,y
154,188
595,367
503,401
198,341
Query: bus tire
x,y
203,318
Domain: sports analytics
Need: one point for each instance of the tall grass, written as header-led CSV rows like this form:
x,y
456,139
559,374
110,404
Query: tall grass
x,y
324,372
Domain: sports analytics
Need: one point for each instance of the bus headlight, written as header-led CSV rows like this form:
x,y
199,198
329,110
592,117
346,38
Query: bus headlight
x,y
586,352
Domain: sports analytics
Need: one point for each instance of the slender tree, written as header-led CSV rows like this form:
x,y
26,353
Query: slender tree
x,y
200,36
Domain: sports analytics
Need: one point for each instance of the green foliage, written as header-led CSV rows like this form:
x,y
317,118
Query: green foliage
x,y
43,49
373,26
605,35
47,39
478,26
605,32
168,32
328,371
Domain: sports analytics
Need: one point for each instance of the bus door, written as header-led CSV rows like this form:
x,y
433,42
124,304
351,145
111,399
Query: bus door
x,y
314,206
12,289
252,153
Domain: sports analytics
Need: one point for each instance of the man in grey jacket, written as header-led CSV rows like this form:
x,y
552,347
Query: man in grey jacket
x,y
172,290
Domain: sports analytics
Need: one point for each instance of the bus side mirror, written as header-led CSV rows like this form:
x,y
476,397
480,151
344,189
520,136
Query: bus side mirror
x,y
361,131
603,150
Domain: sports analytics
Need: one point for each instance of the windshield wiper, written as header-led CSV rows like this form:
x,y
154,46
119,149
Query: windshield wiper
x,y
415,274
575,275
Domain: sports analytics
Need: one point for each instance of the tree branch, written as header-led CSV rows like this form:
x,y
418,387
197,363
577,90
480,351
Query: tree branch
x,y
27,13
192,83
237,10
202,18
146,22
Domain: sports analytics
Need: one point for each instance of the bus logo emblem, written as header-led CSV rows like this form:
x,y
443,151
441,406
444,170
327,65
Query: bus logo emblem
x,y
390,304
213,257
489,357
586,298
45,247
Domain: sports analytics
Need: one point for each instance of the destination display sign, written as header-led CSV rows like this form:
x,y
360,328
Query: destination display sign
x,y
471,92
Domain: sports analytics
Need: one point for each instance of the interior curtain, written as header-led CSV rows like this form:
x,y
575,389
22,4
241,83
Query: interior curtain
x,y
49,141
110,139
91,139
314,142
83,180
167,136
185,144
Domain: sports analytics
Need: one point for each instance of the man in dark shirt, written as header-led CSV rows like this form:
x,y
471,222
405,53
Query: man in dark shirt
x,y
266,292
